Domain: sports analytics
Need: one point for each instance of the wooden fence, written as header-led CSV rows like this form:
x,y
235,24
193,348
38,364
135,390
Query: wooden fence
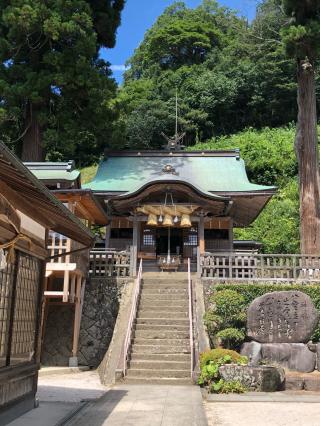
x,y
104,263
260,267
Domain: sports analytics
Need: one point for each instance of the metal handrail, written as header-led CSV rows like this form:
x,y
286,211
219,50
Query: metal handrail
x,y
190,317
133,315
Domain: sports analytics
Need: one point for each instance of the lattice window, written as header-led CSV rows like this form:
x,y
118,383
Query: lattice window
x,y
190,237
148,240
6,286
25,312
19,296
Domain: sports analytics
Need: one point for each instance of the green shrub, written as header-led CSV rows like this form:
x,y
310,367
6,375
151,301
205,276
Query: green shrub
x,y
226,317
213,322
228,303
210,361
232,387
230,338
216,354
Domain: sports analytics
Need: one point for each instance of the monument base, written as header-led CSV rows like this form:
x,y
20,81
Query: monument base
x,y
260,379
292,356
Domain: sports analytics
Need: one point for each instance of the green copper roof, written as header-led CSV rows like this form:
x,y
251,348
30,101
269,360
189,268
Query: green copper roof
x,y
56,175
55,171
209,172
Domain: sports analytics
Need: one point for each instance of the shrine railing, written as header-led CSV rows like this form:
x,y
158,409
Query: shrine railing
x,y
109,263
259,267
59,245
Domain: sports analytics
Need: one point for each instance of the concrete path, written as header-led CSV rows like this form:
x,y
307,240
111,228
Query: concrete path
x,y
47,414
61,395
263,414
70,387
145,405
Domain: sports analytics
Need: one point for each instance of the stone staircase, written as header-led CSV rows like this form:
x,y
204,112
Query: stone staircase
x,y
160,351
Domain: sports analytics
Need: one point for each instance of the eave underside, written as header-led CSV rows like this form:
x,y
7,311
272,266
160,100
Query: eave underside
x,y
241,208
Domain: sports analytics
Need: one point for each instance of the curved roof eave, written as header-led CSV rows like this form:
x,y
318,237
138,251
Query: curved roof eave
x,y
138,190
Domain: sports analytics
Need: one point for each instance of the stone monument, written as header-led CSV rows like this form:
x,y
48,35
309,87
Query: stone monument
x,y
280,325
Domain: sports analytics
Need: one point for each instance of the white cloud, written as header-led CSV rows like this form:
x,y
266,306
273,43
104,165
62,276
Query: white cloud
x,y
118,67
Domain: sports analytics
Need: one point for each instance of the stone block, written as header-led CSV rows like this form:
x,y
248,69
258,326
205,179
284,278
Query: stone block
x,y
73,361
282,317
262,379
294,356
252,350
318,356
294,383
312,384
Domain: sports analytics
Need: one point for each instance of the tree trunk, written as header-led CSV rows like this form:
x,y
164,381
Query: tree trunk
x,y
306,145
32,149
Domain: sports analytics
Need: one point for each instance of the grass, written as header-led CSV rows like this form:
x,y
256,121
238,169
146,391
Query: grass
x,y
88,173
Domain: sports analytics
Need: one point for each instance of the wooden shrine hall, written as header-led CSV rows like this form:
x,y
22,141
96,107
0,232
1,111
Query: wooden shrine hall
x,y
168,205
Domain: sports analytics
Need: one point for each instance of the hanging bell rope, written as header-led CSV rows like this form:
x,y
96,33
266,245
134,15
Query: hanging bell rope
x,y
10,246
8,214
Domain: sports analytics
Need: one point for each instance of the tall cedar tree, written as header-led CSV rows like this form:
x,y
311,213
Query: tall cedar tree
x,y
51,77
302,38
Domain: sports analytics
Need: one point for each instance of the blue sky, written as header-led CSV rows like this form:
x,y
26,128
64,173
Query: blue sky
x,y
139,15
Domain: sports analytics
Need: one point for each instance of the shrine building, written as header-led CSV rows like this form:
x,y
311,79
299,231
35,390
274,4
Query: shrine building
x,y
173,204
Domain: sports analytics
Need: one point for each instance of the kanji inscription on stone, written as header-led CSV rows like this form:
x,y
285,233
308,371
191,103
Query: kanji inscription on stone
x,y
282,317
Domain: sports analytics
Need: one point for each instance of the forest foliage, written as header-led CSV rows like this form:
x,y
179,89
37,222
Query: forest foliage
x,y
270,160
236,88
55,90
230,75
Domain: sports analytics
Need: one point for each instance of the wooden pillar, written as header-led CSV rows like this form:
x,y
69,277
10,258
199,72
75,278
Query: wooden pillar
x,y
72,288
231,235
73,362
65,297
108,233
201,241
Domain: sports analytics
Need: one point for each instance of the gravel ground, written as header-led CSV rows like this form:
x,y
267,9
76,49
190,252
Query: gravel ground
x,y
263,414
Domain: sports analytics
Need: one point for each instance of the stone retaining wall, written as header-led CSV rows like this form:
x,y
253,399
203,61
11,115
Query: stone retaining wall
x,y
100,310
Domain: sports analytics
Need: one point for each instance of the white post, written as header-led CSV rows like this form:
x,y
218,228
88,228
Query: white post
x,y
169,245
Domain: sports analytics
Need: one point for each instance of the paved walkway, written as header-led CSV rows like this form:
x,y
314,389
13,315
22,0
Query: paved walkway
x,y
145,405
263,414
70,387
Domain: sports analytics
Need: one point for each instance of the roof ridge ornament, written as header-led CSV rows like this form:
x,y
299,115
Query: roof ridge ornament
x,y
175,142
169,169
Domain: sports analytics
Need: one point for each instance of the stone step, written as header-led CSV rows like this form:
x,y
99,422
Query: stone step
x,y
164,286
162,314
164,281
161,334
159,365
160,357
162,342
146,373
163,297
159,349
163,321
164,290
161,307
158,381
163,328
